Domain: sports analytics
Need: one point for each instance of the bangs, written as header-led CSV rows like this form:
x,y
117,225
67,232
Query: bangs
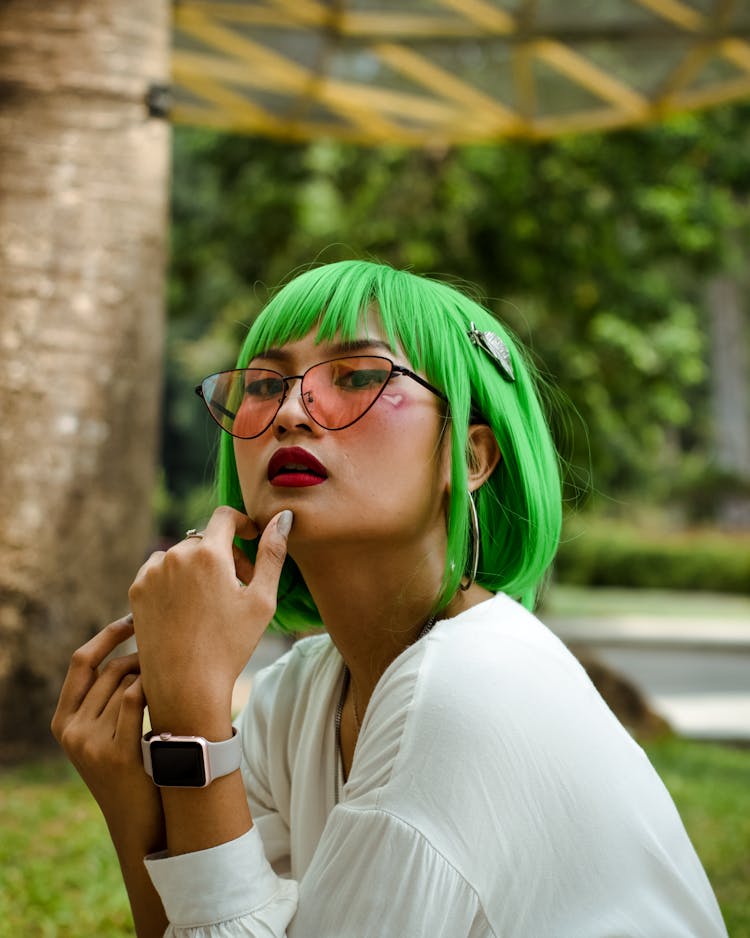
x,y
344,300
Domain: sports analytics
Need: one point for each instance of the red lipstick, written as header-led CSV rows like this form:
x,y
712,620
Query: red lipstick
x,y
294,467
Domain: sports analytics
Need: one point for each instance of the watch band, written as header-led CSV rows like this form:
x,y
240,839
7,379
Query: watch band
x,y
189,761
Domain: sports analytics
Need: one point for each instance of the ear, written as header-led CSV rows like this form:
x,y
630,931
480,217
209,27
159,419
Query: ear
x,y
484,455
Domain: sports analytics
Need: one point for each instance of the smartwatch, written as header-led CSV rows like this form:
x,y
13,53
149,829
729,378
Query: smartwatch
x,y
189,761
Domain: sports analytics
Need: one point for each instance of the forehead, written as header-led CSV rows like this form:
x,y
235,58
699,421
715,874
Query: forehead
x,y
314,348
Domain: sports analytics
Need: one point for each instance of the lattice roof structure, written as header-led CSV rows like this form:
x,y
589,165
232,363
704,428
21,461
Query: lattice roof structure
x,y
426,72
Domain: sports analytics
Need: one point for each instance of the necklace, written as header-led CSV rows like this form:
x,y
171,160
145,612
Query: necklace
x,y
342,700
356,711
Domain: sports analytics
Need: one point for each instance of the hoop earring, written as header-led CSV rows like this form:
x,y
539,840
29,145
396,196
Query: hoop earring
x,y
474,539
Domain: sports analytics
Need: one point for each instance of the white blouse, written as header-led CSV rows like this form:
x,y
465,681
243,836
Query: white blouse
x,y
492,793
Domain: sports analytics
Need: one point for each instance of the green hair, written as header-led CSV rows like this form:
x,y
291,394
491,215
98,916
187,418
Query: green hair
x,y
519,507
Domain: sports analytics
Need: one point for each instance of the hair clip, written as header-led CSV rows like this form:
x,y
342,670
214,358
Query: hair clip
x,y
494,346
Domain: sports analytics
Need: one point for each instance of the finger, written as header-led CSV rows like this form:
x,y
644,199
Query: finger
x,y
271,555
106,684
104,724
227,523
132,699
153,560
243,565
85,662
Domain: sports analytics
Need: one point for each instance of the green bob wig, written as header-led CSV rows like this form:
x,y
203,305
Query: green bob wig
x,y
519,507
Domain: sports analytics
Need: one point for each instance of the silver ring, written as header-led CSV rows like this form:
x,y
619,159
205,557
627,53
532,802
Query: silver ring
x,y
194,533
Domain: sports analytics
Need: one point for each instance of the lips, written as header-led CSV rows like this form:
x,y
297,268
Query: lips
x,y
293,466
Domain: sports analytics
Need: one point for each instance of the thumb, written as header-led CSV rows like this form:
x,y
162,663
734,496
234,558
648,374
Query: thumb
x,y
271,554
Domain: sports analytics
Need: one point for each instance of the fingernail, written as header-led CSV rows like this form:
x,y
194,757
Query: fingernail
x,y
284,522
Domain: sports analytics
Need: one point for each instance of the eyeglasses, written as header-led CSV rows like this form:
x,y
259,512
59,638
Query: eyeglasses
x,y
335,394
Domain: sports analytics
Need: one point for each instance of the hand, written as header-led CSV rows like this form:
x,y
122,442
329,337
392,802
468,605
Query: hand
x,y
197,624
98,723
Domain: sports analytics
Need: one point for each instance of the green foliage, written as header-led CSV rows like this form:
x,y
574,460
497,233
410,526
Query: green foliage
x,y
594,249
605,552
61,878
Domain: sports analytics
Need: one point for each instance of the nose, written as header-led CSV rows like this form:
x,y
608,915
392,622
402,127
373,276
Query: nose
x,y
292,412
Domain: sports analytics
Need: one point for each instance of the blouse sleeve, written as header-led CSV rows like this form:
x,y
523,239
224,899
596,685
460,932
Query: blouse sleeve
x,y
225,892
373,875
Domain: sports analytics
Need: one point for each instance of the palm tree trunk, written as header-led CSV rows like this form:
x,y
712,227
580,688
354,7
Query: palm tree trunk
x,y
83,215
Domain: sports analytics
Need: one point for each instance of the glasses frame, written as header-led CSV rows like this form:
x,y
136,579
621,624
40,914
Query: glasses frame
x,y
396,370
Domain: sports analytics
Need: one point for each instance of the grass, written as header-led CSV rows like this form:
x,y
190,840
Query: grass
x,y
60,877
710,785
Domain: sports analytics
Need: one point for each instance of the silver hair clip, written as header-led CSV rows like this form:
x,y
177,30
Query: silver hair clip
x,y
494,346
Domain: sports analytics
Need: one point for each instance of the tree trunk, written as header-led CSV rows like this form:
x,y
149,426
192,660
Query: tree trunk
x,y
731,395
83,218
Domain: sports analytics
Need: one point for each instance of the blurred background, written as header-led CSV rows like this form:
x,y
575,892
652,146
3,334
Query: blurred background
x,y
582,167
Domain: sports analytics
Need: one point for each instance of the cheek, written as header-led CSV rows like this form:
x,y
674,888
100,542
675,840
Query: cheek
x,y
393,417
250,467
394,400
397,434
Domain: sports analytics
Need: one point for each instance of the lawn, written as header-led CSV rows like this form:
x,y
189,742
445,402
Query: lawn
x,y
711,787
60,877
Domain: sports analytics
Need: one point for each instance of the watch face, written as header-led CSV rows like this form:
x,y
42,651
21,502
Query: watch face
x,y
178,764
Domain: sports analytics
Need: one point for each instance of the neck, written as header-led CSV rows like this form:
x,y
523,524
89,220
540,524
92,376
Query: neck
x,y
374,603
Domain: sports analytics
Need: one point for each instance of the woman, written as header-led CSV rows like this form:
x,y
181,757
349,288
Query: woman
x,y
437,764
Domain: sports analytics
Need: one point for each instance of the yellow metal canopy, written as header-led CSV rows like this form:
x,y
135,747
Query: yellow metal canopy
x,y
452,71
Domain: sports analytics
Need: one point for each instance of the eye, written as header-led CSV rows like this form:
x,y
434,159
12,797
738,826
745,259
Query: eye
x,y
360,379
264,388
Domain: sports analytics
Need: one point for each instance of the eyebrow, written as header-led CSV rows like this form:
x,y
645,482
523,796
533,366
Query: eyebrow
x,y
339,348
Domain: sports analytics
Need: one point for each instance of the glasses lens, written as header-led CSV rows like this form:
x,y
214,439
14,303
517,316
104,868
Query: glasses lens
x,y
244,402
339,392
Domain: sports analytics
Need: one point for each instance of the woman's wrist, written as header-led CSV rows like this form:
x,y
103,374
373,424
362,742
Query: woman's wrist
x,y
203,712
200,818
181,722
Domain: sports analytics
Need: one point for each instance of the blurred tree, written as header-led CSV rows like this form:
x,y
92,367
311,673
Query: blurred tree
x,y
83,206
